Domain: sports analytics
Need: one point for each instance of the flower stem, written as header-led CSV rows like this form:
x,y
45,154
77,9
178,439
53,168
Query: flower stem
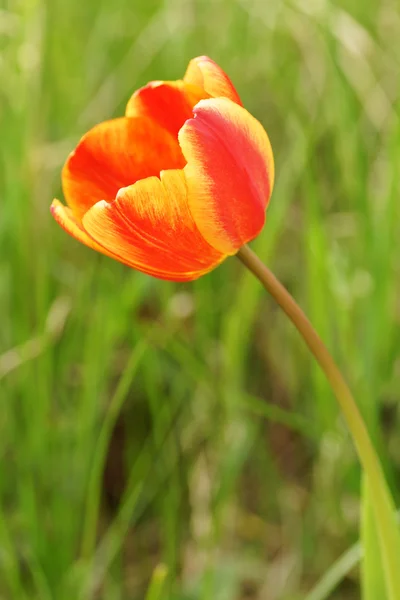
x,y
381,499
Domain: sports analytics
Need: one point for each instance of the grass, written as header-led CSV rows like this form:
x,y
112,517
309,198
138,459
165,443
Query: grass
x,y
176,442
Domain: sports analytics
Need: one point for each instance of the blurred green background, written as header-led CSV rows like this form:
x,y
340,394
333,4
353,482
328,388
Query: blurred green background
x,y
176,442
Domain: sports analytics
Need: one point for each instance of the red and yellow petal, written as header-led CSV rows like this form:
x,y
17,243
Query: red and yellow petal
x,y
229,172
115,154
168,103
66,219
205,73
149,227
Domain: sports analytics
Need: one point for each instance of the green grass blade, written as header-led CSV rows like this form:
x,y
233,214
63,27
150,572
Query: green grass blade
x,y
373,581
95,477
336,573
156,587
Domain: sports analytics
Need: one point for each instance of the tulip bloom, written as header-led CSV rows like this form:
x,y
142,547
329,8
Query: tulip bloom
x,y
176,185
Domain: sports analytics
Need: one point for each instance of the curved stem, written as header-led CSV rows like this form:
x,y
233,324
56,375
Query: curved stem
x,y
381,498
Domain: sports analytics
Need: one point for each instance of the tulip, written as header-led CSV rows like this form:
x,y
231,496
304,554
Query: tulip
x,y
176,185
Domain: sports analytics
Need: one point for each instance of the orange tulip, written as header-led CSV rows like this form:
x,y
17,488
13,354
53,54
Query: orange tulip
x,y
178,184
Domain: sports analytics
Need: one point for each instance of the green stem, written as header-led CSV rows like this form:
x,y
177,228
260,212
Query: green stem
x,y
381,499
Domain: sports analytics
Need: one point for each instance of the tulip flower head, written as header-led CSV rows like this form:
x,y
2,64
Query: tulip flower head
x,y
176,185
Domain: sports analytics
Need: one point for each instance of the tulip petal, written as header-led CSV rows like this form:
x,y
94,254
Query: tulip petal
x,y
205,73
229,172
65,217
115,154
169,103
149,227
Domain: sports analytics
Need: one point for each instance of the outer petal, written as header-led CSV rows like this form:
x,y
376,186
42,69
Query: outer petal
x,y
169,103
115,154
65,217
149,227
205,73
229,172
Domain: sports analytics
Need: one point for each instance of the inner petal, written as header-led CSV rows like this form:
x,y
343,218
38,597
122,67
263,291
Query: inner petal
x,y
204,72
116,154
169,103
